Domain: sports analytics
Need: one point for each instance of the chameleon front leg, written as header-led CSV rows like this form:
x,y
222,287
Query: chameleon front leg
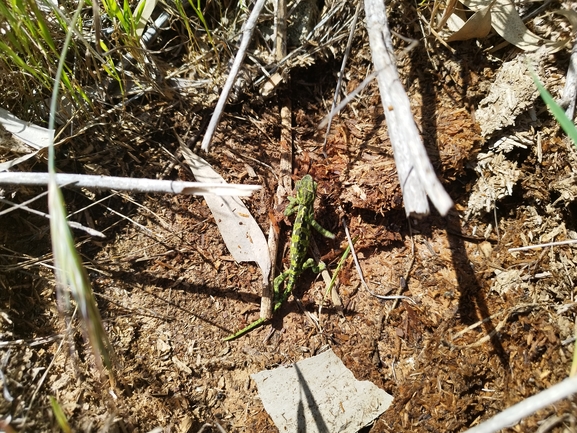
x,y
276,292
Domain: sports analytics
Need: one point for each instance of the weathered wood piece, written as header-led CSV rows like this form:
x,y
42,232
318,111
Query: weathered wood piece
x,y
416,174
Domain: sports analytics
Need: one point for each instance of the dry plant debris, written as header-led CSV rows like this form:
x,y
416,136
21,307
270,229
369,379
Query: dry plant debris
x,y
488,328
512,93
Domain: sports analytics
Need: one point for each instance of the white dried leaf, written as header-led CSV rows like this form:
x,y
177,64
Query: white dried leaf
x,y
477,26
502,16
22,133
241,234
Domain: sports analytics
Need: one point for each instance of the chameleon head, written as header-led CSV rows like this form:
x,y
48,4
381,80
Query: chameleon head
x,y
306,189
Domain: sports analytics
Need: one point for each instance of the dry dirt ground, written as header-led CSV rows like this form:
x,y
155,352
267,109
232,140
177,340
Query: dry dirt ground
x,y
487,327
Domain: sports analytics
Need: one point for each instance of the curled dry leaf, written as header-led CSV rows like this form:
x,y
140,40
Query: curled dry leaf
x,y
502,16
476,27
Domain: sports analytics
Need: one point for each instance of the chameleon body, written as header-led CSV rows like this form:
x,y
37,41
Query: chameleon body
x,y
303,205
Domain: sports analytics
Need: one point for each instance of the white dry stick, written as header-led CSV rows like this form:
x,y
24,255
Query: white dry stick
x,y
548,244
72,224
570,89
514,414
247,31
129,184
416,174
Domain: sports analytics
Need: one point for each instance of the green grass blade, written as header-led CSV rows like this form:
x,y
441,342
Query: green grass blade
x,y
339,266
59,415
569,128
71,273
42,28
566,123
68,265
199,14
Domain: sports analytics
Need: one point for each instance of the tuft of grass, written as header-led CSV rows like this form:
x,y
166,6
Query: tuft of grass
x,y
71,276
29,48
124,16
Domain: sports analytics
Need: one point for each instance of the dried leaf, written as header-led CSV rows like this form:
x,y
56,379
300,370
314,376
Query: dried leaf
x,y
33,135
477,26
457,19
16,133
450,9
508,24
147,8
240,232
502,16
571,16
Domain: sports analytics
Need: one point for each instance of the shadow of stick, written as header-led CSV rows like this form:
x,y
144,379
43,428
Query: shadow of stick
x,y
472,304
312,406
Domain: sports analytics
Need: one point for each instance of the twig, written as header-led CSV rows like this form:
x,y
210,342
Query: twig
x,y
528,406
335,110
129,184
548,244
360,271
281,28
247,31
416,174
285,168
341,73
72,224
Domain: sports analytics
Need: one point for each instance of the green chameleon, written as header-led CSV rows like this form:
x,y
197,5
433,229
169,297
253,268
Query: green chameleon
x,y
303,205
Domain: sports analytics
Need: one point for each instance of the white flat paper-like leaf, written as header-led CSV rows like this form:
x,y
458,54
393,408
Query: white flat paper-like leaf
x,y
34,136
240,232
319,394
147,9
31,135
477,26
